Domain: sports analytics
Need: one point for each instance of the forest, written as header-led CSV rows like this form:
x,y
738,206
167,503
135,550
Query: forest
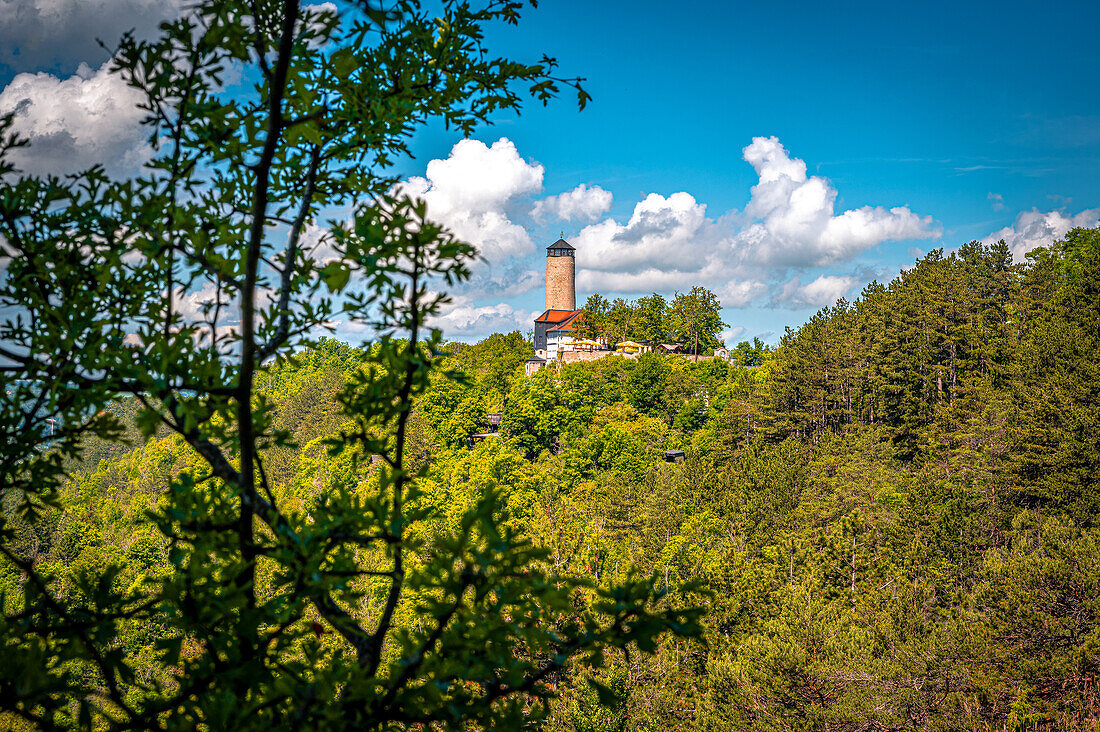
x,y
887,522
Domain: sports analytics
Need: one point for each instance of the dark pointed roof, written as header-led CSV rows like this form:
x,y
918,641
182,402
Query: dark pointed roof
x,y
561,244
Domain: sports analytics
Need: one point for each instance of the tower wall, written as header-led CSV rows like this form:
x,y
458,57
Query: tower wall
x,y
561,285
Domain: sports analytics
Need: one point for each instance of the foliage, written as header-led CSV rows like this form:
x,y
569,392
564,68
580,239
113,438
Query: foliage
x,y
890,519
693,318
594,321
696,318
751,354
269,559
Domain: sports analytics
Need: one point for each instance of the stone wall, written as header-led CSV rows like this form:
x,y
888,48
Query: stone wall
x,y
561,293
583,356
578,356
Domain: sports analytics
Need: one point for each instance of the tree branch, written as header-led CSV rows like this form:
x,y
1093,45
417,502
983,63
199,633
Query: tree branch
x,y
282,308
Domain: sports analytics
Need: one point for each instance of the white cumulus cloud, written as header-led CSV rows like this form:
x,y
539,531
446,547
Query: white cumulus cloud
x,y
740,293
790,222
821,292
89,118
472,191
1036,228
792,218
464,319
730,336
657,226
581,203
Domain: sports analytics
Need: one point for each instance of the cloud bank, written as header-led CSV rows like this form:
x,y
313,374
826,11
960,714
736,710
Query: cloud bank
x,y
768,255
1035,228
793,218
59,34
89,118
790,223
821,292
462,318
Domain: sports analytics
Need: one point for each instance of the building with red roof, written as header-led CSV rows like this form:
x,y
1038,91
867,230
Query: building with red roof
x,y
554,332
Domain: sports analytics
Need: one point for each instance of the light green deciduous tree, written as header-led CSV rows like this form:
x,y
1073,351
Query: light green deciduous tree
x,y
697,319
339,613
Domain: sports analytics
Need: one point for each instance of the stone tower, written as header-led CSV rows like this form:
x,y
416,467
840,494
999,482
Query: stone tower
x,y
561,276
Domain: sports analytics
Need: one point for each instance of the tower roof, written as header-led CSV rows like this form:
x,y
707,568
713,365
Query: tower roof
x,y
561,244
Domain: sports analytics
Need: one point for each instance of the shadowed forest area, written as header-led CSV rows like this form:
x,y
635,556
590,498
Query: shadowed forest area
x,y
890,523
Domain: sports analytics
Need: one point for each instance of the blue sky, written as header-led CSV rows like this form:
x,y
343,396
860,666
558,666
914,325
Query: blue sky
x,y
919,127
970,113
885,102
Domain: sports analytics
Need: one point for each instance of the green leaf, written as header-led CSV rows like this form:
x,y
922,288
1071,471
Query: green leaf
x,y
335,276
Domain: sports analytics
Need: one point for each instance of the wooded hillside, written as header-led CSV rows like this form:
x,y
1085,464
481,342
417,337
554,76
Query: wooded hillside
x,y
890,523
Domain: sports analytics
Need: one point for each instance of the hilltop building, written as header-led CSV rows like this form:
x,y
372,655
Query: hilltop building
x,y
556,334
556,337
554,328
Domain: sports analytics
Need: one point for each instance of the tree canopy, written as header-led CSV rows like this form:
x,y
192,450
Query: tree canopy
x,y
696,317
882,537
693,318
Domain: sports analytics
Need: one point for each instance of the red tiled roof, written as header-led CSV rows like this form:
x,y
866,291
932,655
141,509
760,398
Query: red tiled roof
x,y
557,316
567,322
